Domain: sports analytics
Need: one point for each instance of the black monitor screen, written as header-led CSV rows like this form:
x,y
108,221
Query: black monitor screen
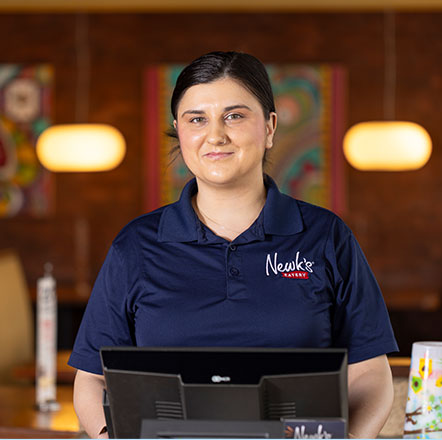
x,y
236,384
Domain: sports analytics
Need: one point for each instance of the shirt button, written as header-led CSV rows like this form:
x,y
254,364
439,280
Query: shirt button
x,y
234,271
232,247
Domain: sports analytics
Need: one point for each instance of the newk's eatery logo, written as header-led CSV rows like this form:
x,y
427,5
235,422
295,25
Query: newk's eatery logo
x,y
299,268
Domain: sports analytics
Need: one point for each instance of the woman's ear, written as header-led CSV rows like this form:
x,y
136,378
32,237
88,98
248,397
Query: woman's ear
x,y
271,124
174,124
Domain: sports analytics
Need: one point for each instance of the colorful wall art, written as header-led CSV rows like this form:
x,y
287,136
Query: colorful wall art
x,y
25,105
306,160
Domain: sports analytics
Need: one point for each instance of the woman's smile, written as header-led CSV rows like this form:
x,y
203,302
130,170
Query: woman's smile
x,y
218,155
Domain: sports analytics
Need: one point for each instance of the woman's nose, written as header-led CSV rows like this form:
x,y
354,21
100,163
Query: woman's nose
x,y
217,134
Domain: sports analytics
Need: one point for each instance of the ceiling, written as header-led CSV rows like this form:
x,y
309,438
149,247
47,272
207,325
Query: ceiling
x,y
216,5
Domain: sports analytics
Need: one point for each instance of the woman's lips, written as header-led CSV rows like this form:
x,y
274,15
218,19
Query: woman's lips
x,y
217,156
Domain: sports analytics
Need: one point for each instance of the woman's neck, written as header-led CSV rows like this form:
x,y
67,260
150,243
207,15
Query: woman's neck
x,y
228,212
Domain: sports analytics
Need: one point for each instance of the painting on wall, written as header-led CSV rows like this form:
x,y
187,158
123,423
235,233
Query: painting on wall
x,y
306,160
25,106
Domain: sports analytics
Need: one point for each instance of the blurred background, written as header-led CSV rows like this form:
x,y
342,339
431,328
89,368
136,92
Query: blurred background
x,y
98,52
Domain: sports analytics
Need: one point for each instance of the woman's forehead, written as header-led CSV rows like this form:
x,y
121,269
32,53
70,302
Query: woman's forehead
x,y
223,92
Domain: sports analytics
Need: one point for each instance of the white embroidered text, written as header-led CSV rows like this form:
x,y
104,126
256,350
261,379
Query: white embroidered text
x,y
297,268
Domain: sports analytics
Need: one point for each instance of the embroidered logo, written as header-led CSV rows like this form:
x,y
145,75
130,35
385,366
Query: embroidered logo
x,y
299,268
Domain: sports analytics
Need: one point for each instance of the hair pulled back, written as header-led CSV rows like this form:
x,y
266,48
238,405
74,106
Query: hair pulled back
x,y
242,67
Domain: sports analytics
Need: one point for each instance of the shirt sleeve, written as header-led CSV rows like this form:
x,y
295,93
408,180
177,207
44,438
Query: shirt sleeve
x,y
360,318
107,320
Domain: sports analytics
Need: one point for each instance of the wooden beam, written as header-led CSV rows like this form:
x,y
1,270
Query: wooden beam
x,y
217,5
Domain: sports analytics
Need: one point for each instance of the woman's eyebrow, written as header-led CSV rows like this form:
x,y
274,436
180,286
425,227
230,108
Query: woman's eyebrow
x,y
193,112
234,107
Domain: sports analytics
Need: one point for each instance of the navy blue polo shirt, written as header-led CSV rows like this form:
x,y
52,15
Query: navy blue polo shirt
x,y
295,278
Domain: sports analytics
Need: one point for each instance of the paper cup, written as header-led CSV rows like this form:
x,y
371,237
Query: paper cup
x,y
423,412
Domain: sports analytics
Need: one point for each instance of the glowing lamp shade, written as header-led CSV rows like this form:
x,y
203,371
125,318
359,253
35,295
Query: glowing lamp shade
x,y
81,147
387,146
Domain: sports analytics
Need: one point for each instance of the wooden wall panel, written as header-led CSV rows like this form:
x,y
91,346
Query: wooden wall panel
x,y
397,217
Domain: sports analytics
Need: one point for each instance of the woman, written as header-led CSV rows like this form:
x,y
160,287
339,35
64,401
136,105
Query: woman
x,y
234,262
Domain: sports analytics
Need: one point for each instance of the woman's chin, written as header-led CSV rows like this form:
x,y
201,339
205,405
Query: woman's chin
x,y
217,178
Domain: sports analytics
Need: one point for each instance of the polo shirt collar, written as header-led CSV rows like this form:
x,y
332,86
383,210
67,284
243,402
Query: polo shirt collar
x,y
179,222
281,212
280,216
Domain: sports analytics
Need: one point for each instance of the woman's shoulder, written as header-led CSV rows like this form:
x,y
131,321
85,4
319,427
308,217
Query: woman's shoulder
x,y
307,207
143,227
314,214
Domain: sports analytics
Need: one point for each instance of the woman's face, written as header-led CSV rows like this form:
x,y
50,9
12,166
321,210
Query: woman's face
x,y
223,133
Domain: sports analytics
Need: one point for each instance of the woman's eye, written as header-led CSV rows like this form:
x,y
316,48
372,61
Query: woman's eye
x,y
233,116
197,120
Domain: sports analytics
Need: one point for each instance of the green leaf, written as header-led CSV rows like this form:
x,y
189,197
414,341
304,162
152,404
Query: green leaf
x,y
416,384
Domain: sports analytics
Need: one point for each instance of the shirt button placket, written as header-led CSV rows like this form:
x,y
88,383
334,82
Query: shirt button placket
x,y
235,282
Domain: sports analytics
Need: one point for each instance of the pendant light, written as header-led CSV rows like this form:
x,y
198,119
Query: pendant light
x,y
81,146
388,145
